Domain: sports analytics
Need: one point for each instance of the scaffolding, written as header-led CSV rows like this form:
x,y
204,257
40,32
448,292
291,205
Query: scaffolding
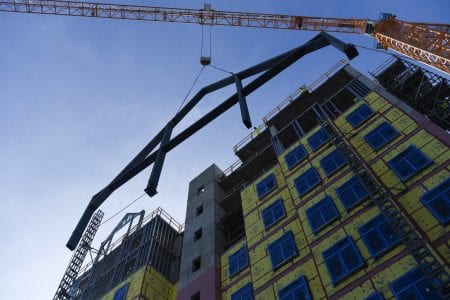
x,y
424,90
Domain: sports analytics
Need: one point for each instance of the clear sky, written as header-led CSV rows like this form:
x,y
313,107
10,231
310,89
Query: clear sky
x,y
80,97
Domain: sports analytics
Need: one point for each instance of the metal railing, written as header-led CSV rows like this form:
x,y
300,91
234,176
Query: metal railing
x,y
292,97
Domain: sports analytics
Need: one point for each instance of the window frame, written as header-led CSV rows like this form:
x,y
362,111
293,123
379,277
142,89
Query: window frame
x,y
410,280
298,153
304,176
437,193
265,181
301,283
243,291
278,246
377,225
121,293
358,112
319,207
333,156
235,259
394,163
340,246
377,131
354,181
270,209
322,136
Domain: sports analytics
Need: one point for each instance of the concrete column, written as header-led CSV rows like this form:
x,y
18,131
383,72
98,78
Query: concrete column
x,y
203,213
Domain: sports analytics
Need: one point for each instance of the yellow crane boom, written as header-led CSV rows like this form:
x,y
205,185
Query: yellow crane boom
x,y
425,42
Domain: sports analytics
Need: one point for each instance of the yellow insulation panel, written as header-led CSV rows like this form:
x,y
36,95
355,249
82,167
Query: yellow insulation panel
x,y
261,266
134,288
360,292
147,283
227,294
266,294
372,97
249,196
380,105
382,279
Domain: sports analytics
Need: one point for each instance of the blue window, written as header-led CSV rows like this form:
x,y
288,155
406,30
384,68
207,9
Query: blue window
x,y
306,181
321,214
375,296
359,115
318,139
297,289
121,294
409,162
282,249
352,192
244,293
342,260
381,135
266,185
295,156
237,261
438,201
332,162
378,236
414,285
273,213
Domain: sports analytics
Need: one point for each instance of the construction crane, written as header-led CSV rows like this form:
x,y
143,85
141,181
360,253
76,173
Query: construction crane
x,y
424,42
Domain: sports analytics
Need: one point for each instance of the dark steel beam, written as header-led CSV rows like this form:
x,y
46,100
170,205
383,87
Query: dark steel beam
x,y
242,103
157,167
273,66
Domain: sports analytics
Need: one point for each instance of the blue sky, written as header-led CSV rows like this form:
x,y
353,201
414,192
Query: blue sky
x,y
80,97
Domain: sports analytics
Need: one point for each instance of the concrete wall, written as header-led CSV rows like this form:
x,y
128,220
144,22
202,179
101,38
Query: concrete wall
x,y
203,191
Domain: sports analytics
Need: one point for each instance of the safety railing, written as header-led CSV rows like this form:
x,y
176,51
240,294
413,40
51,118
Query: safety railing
x,y
294,95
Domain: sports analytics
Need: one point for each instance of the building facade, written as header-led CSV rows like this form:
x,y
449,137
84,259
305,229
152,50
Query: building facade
x,y
343,192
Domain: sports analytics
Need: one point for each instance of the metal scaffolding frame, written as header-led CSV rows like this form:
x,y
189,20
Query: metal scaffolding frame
x,y
424,90
155,240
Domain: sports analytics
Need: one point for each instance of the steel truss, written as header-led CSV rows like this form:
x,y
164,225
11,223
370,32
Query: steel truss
x,y
269,69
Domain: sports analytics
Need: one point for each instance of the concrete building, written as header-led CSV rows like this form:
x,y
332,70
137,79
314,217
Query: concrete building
x,y
343,192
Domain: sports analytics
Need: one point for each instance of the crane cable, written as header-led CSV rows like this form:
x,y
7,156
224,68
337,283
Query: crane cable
x,y
221,69
190,89
123,208
143,194
203,42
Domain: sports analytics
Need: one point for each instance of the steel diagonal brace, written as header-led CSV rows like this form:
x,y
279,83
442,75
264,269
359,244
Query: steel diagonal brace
x,y
270,67
242,103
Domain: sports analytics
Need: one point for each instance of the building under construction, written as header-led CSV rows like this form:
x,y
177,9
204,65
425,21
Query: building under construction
x,y
342,192
149,251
